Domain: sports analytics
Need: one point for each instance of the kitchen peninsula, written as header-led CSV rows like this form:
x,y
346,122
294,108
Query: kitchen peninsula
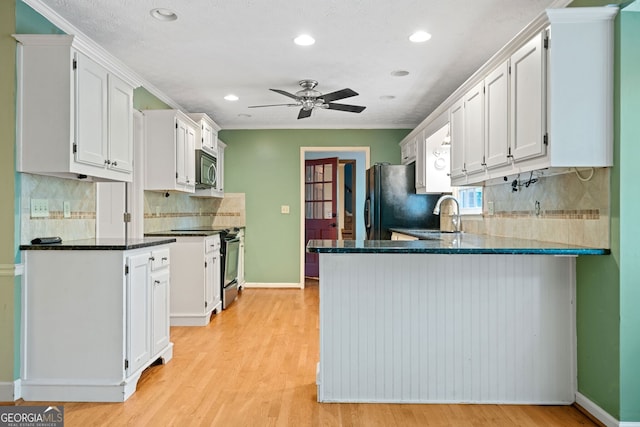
x,y
450,318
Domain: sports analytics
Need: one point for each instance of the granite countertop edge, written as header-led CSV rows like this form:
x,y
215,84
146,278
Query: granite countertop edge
x,y
435,242
106,244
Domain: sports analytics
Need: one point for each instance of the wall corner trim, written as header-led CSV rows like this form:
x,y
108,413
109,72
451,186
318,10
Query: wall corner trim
x,y
11,269
10,391
601,415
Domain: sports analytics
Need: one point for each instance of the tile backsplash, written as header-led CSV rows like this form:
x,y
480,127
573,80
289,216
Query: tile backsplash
x,y
81,196
559,208
179,210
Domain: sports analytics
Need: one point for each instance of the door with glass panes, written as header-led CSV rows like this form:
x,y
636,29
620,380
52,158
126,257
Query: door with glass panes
x,y
321,215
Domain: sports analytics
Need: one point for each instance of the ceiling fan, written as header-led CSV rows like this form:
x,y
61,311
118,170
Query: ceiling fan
x,y
308,98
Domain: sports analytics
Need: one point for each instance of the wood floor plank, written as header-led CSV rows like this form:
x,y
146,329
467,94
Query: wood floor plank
x,y
255,365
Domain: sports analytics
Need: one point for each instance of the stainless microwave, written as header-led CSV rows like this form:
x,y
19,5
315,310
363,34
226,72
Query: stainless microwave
x,y
206,170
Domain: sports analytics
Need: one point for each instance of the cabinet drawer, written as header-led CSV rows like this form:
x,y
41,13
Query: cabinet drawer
x,y
159,259
212,243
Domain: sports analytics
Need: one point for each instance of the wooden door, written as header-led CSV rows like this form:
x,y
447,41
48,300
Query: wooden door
x,y
320,206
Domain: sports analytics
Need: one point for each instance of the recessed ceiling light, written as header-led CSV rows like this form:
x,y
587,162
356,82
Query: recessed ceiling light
x,y
231,97
304,40
419,36
399,73
387,97
163,14
244,115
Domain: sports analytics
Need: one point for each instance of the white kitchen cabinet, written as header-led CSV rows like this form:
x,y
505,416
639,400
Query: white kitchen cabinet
x,y
195,280
93,321
437,163
170,151
207,136
420,164
408,151
528,100
160,290
496,117
218,190
75,117
473,140
456,126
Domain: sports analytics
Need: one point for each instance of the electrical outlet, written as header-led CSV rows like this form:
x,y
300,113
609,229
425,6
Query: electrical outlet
x,y
490,208
284,209
67,209
39,208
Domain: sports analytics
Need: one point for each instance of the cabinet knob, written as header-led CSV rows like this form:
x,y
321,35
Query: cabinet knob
x,y
115,163
164,258
152,258
107,162
157,282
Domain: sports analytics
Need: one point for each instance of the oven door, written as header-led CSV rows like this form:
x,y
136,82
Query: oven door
x,y
230,279
206,170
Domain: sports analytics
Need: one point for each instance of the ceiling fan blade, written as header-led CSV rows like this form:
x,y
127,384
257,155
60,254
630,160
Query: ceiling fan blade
x,y
273,105
285,93
339,94
303,114
346,107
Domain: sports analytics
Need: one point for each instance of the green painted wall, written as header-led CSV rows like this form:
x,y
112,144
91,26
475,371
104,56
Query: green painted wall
x,y
145,100
9,333
608,288
265,165
629,228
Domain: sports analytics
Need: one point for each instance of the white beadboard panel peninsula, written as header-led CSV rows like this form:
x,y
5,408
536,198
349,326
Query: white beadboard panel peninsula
x,y
447,328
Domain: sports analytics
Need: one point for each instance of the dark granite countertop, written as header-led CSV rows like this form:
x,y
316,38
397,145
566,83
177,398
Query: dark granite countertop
x,y
434,242
191,231
104,244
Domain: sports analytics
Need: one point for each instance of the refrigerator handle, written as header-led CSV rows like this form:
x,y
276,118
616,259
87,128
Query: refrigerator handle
x,y
367,214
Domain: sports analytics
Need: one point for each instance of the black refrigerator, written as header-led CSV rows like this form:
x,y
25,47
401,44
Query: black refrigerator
x,y
391,202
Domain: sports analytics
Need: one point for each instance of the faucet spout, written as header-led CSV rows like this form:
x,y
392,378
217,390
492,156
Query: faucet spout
x,y
436,209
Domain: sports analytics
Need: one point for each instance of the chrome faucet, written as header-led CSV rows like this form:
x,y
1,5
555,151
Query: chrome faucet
x,y
456,220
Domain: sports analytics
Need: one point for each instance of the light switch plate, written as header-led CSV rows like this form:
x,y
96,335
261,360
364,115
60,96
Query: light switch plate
x,y
284,209
67,209
39,208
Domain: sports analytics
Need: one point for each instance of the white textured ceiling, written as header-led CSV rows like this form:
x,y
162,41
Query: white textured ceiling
x,y
245,47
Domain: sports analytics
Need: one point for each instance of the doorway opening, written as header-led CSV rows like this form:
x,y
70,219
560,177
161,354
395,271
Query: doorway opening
x,y
358,159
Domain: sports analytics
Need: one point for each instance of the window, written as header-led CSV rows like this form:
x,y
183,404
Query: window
x,y
470,199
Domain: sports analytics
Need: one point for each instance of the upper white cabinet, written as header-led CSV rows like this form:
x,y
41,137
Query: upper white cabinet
x,y
528,122
496,114
437,163
408,151
170,151
207,135
75,117
543,101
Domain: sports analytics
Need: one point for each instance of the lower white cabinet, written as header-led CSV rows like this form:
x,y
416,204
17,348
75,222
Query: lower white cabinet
x,y
195,280
93,320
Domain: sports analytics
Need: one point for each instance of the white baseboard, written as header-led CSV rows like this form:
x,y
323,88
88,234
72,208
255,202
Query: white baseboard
x,y
602,415
272,285
11,269
10,391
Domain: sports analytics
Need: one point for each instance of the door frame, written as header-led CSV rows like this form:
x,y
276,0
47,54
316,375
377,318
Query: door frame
x,y
303,151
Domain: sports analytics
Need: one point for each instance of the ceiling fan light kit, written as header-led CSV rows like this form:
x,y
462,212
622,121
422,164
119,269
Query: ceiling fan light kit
x,y
308,99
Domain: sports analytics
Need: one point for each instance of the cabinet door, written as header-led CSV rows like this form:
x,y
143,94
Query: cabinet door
x,y
189,156
181,150
209,137
456,123
474,129
496,114
91,112
212,280
159,310
528,122
421,172
120,125
138,312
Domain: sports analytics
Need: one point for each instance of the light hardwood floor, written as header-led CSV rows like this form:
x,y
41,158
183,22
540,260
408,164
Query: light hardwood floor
x,y
254,365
